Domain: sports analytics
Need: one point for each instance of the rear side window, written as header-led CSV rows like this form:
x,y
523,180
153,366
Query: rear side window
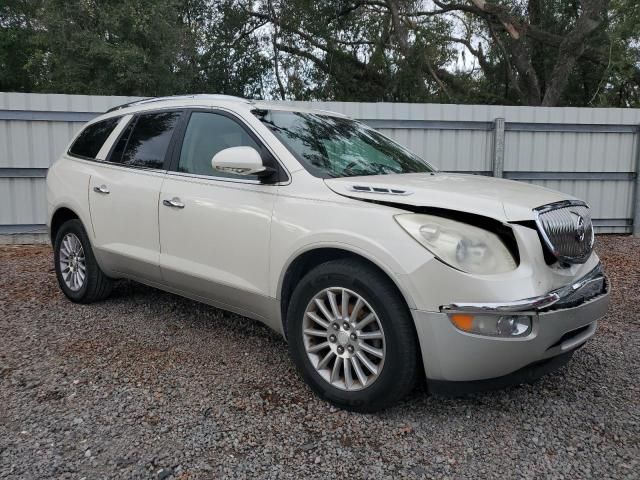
x,y
145,141
91,139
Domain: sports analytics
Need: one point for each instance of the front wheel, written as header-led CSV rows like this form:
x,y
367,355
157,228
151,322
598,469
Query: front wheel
x,y
352,337
77,270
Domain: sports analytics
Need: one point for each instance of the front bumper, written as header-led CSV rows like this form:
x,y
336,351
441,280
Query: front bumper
x,y
562,320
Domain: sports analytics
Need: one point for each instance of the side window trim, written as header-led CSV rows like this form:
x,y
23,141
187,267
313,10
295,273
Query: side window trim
x,y
283,175
132,122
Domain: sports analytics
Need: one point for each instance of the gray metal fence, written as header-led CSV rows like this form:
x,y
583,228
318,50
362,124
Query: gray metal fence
x,y
593,154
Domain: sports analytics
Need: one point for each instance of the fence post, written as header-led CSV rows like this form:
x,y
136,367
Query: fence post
x,y
497,162
636,190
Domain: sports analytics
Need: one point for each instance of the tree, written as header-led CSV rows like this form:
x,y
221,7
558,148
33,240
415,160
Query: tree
x,y
19,60
540,40
521,52
128,47
535,52
354,51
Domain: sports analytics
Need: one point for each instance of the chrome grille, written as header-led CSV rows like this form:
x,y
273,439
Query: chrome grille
x,y
567,230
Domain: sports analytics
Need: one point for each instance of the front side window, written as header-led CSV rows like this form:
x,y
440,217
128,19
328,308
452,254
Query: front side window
x,y
330,146
91,139
207,134
145,141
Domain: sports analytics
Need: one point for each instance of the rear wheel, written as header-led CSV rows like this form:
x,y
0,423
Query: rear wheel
x,y
352,337
77,270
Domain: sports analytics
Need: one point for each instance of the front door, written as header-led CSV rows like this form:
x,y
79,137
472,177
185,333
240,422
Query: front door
x,y
124,193
215,227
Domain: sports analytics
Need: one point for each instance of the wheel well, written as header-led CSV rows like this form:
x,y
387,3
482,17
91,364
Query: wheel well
x,y
308,261
59,218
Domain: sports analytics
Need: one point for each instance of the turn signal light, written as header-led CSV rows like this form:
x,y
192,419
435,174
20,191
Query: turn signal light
x,y
463,321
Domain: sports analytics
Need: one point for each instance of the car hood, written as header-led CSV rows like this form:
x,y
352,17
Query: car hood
x,y
504,200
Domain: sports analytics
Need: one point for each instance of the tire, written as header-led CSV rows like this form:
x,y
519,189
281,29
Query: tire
x,y
397,369
95,285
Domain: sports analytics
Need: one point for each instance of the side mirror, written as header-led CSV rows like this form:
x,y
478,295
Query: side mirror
x,y
240,161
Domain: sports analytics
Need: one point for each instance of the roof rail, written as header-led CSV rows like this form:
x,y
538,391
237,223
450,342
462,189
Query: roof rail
x,y
204,96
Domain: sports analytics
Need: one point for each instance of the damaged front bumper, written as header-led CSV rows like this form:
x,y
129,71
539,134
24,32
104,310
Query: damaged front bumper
x,y
562,320
589,286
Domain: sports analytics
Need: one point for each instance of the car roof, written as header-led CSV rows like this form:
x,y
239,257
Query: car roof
x,y
208,100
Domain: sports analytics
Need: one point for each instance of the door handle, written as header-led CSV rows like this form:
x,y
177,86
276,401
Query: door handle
x,y
101,189
173,203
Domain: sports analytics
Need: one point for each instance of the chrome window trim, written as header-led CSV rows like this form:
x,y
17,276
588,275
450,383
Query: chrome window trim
x,y
247,181
132,167
543,233
117,165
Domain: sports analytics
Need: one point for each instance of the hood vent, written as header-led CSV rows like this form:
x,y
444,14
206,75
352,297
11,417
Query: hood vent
x,y
383,190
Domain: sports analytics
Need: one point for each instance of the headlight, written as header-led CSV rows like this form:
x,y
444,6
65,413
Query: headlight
x,y
465,247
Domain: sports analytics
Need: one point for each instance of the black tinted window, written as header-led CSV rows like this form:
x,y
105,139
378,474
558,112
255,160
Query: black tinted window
x,y
206,135
147,141
116,154
90,141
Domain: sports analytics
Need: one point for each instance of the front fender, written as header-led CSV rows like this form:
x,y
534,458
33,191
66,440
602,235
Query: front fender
x,y
341,225
398,280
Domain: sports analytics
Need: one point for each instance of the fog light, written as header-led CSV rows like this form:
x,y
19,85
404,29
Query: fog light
x,y
492,325
513,325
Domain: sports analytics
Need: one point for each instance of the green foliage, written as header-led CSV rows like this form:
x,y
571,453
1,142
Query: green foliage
x,y
20,61
127,47
620,81
462,51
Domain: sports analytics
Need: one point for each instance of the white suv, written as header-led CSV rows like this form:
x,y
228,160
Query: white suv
x,y
370,262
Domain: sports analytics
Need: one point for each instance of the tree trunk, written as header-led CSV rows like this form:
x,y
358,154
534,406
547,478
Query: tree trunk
x,y
571,48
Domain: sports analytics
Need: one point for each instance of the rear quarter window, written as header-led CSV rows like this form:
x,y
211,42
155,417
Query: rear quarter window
x,y
91,139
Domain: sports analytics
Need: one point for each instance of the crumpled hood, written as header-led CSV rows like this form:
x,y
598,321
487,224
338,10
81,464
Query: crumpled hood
x,y
504,200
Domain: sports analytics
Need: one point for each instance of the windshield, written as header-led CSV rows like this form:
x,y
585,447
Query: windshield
x,y
339,147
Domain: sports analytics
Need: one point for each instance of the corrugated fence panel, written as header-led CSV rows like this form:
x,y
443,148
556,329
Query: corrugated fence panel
x,y
608,199
451,150
27,200
35,144
569,151
589,153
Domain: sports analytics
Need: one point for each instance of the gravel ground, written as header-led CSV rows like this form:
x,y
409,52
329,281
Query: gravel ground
x,y
150,385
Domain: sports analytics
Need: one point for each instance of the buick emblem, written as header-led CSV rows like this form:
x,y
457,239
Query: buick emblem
x,y
580,227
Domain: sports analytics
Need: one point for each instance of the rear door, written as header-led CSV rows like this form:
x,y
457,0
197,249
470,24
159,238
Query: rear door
x,y
123,195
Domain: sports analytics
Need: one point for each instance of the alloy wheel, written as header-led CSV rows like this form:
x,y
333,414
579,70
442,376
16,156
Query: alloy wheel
x,y
73,266
344,339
